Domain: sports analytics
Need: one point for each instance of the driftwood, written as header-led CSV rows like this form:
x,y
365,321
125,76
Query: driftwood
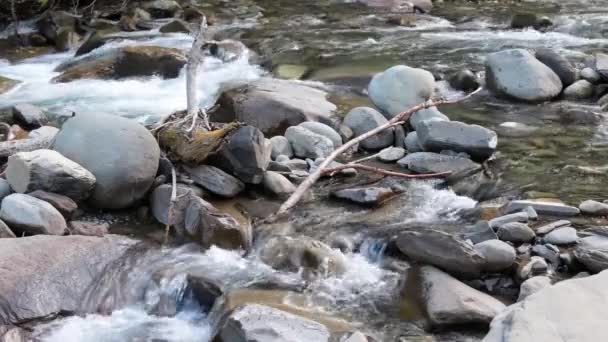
x,y
331,171
194,60
322,169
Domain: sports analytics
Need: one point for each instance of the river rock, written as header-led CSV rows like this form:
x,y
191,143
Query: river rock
x,y
542,208
43,275
365,196
515,217
559,64
246,155
48,170
590,75
523,20
449,301
601,65
517,74
572,310
31,215
591,207
423,115
479,232
515,232
293,253
477,141
5,189
391,154
498,255
412,144
533,267
88,228
64,204
7,84
533,285
400,87
215,180
562,236
210,226
579,90
592,251
308,144
429,162
273,105
29,116
548,252
161,8
160,200
464,80
280,146
324,130
362,120
175,26
125,159
260,323
5,231
443,250
277,184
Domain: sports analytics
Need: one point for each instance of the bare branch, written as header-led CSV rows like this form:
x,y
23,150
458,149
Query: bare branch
x,y
401,117
171,204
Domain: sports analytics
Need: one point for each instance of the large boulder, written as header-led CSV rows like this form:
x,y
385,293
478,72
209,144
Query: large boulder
x,y
362,120
43,275
260,323
400,87
571,310
517,74
125,62
592,251
443,250
48,170
448,301
559,64
477,141
429,162
121,154
31,215
273,105
246,154
215,180
308,144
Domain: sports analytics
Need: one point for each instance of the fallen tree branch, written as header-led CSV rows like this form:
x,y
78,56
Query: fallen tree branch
x,y
313,177
8,148
171,204
333,170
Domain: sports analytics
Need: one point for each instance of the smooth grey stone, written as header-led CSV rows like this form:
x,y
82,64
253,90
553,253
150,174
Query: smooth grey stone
x,y
277,184
362,120
542,208
391,154
596,208
515,217
551,226
533,285
592,251
561,236
547,253
324,130
517,74
498,255
424,115
308,144
590,75
559,64
579,90
215,180
31,215
280,147
515,232
412,144
477,141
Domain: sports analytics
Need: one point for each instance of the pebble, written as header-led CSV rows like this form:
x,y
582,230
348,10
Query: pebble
x,y
391,154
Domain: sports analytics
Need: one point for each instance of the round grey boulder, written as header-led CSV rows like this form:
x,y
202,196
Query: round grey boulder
x,y
121,154
559,64
519,75
308,144
28,214
399,88
515,232
324,130
362,120
499,255
579,90
594,208
562,236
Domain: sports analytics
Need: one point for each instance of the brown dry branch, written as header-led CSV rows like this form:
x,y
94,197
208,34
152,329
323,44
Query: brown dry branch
x,y
322,169
171,204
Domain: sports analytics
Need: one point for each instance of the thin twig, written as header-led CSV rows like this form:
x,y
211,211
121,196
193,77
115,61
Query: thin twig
x,y
171,204
313,177
383,171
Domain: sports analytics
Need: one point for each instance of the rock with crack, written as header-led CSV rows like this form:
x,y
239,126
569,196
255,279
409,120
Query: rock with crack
x,y
450,302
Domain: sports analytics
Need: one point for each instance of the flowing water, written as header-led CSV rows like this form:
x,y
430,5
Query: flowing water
x,y
341,44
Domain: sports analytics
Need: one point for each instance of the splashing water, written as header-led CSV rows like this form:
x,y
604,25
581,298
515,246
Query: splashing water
x,y
438,204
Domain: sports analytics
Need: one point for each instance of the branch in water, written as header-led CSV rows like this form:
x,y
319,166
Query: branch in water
x,y
383,171
401,117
